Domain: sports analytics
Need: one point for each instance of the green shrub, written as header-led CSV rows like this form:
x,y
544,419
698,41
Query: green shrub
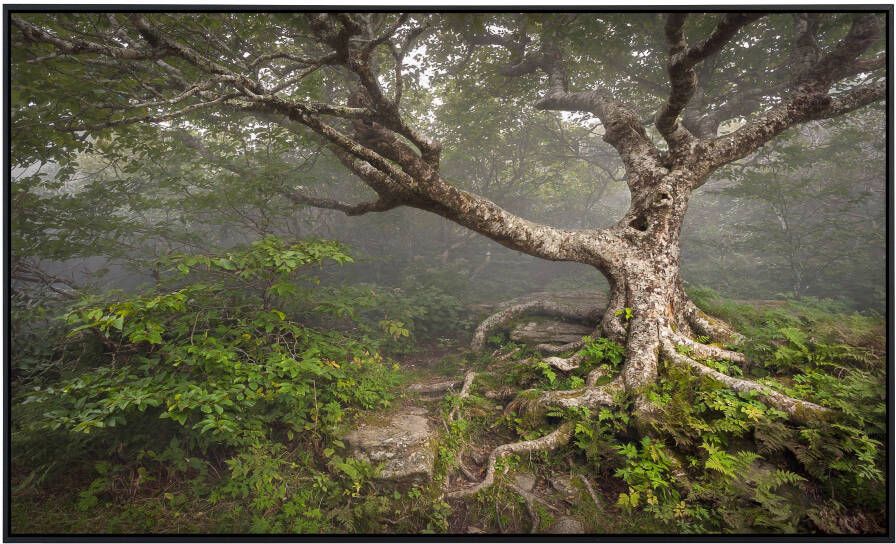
x,y
215,368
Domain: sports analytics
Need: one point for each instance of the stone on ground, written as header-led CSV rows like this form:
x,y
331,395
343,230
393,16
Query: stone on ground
x,y
524,481
566,526
402,444
550,332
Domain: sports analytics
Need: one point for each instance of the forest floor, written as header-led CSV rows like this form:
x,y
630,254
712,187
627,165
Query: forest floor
x,y
539,492
535,493
564,491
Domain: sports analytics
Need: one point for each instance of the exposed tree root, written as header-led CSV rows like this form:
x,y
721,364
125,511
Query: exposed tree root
x,y
538,306
706,325
589,396
507,355
531,499
594,375
468,382
710,352
530,506
557,438
591,492
551,349
463,467
464,393
646,339
505,393
799,410
566,364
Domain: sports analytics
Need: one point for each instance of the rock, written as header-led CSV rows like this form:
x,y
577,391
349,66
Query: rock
x,y
550,331
473,530
566,526
402,444
524,481
583,301
435,387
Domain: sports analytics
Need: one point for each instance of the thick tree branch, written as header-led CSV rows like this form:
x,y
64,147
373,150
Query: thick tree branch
x,y
810,99
727,28
803,107
682,76
841,61
386,35
156,38
378,205
359,62
624,130
805,52
436,195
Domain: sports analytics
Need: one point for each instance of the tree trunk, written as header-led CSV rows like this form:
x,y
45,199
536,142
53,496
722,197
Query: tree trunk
x,y
648,304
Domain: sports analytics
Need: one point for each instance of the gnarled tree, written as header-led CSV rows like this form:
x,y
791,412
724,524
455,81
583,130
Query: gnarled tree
x,y
732,83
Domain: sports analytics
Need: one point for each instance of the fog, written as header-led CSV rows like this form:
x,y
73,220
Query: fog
x,y
735,239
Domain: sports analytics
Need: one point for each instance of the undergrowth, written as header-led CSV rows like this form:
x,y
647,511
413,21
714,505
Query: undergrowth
x,y
214,402
713,460
208,390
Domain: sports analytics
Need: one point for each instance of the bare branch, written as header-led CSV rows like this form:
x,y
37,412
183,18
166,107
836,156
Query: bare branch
x,y
288,82
155,38
727,28
398,59
379,205
193,90
387,34
22,270
149,118
262,59
389,116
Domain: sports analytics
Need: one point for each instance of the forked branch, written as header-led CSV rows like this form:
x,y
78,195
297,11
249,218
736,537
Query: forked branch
x,y
682,75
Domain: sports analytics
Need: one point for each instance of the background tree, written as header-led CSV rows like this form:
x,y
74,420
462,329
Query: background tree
x,y
812,219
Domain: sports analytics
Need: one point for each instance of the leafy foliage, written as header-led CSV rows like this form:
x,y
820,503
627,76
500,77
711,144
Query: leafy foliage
x,y
716,460
216,369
